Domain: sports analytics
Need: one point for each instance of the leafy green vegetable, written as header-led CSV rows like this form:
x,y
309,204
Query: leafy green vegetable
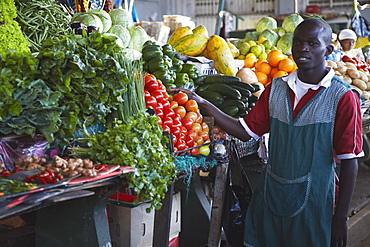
x,y
291,22
285,43
121,17
266,22
85,71
137,142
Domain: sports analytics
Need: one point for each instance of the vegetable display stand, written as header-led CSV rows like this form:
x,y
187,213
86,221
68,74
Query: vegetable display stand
x,y
76,222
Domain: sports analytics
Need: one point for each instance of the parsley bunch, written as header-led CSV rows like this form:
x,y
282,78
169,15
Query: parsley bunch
x,y
137,142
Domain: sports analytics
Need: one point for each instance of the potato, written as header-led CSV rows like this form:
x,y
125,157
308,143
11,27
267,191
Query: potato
x,y
342,69
331,64
341,63
347,79
360,84
353,73
351,65
362,75
365,95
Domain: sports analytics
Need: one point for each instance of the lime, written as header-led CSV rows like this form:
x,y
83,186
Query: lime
x,y
263,56
267,44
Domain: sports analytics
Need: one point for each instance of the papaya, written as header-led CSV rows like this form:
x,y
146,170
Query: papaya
x,y
233,49
202,30
220,53
178,34
191,45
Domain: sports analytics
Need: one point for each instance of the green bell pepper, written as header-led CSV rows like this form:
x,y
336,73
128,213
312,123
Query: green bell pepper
x,y
156,64
188,67
176,64
168,50
181,79
152,51
165,76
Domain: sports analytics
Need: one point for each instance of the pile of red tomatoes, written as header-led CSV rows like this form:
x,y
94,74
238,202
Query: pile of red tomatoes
x,y
179,116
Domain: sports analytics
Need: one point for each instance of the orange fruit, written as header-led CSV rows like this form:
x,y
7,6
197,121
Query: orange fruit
x,y
286,65
294,68
262,77
264,67
280,73
273,71
274,57
250,61
257,64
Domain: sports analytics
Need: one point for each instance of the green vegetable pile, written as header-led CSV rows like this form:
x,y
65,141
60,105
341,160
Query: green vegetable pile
x,y
11,35
136,142
40,20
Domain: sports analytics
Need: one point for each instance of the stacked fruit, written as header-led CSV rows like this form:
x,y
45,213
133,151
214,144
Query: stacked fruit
x,y
179,116
276,65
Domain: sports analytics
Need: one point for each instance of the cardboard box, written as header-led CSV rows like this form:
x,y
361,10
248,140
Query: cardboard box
x,y
130,226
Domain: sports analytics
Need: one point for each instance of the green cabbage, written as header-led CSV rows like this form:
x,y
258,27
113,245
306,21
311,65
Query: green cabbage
x,y
251,36
271,36
114,37
121,17
90,20
285,43
291,22
280,31
104,17
138,37
266,23
121,32
131,54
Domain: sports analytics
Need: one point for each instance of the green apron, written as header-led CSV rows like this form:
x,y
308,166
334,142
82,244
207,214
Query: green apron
x,y
293,202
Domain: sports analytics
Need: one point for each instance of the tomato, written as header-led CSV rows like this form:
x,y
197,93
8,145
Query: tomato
x,y
166,128
205,126
197,127
198,140
184,130
150,102
192,133
181,111
199,117
181,136
151,85
146,93
187,123
181,145
191,105
159,113
174,139
195,151
192,115
204,135
181,98
159,120
176,121
148,77
168,112
167,121
189,141
174,104
159,96
166,96
176,131
166,104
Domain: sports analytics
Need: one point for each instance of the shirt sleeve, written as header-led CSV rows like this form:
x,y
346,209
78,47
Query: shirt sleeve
x,y
257,121
348,128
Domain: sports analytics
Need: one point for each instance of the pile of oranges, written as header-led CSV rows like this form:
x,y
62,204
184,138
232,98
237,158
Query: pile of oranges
x,y
277,64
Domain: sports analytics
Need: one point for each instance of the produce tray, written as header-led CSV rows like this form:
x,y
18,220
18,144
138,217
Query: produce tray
x,y
246,148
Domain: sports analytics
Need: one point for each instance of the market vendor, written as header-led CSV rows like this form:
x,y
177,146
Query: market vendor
x,y
310,114
347,40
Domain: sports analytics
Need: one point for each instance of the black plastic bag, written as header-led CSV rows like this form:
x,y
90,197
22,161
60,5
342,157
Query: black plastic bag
x,y
237,198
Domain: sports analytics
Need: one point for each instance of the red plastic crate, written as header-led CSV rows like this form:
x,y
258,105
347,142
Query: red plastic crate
x,y
314,9
124,197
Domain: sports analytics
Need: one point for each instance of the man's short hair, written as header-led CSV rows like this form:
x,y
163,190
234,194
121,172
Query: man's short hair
x,y
326,29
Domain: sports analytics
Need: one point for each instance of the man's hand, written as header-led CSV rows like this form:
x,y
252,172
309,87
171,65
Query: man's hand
x,y
339,232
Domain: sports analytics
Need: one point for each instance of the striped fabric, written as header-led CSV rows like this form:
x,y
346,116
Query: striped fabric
x,y
108,5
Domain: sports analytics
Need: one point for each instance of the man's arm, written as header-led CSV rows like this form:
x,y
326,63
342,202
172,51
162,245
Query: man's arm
x,y
347,181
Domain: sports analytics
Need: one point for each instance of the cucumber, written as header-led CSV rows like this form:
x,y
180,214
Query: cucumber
x,y
202,88
253,98
210,95
216,102
245,92
230,110
225,90
224,79
199,80
234,102
244,85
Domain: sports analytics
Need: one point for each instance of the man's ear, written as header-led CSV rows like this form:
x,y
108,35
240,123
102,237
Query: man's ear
x,y
329,50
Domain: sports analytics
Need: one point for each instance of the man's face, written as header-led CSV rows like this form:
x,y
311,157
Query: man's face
x,y
309,49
